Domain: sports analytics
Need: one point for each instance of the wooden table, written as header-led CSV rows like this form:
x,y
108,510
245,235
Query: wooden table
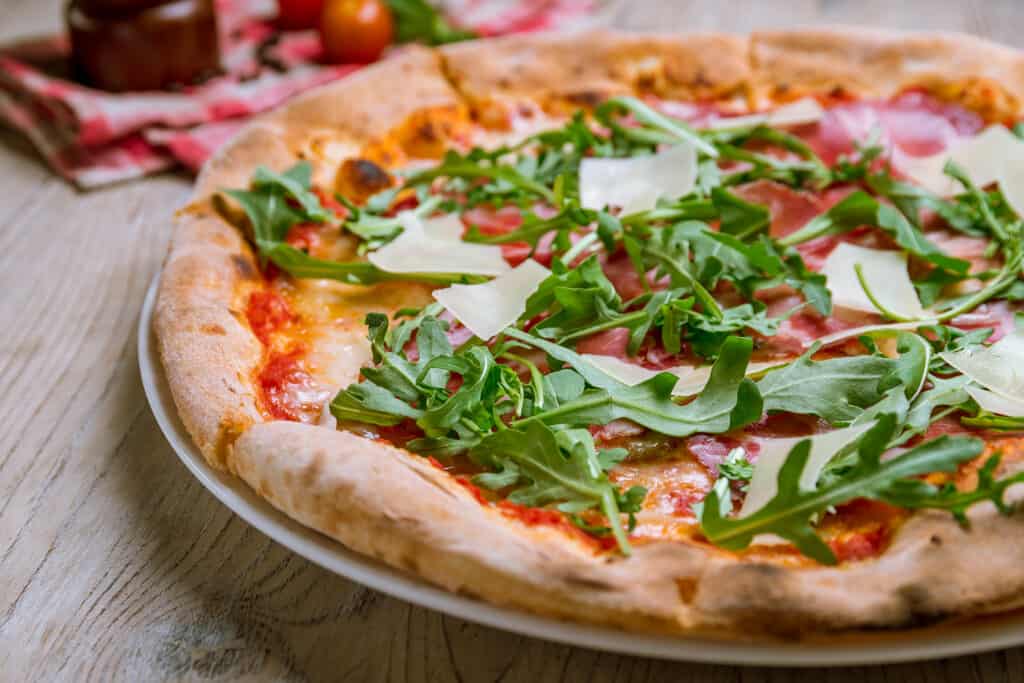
x,y
117,564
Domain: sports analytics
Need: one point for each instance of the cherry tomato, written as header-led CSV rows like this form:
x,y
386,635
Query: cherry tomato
x,y
355,31
293,15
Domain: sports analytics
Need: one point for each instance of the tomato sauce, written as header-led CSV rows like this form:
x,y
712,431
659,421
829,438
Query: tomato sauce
x,y
267,312
860,545
305,236
532,516
284,383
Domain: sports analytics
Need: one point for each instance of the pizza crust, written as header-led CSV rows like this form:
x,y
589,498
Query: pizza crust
x,y
396,507
980,74
566,72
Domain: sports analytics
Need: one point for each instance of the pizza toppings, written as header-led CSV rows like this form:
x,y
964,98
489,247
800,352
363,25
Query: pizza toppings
x,y
488,308
692,379
998,386
983,158
687,269
288,390
872,280
797,113
636,184
267,312
773,454
435,246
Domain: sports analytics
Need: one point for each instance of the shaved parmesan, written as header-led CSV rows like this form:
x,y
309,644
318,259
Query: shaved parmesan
x,y
636,184
796,113
886,275
489,308
624,371
434,245
855,332
448,227
1011,183
984,158
999,369
996,403
772,456
691,378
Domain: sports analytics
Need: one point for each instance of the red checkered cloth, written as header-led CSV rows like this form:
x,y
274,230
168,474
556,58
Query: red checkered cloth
x,y
94,138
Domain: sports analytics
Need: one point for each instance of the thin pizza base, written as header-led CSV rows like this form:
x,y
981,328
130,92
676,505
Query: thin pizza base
x,y
397,507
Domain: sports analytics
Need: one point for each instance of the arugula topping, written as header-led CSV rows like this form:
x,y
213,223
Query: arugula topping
x,y
788,514
519,406
736,467
562,467
837,390
729,400
543,464
278,201
860,208
501,178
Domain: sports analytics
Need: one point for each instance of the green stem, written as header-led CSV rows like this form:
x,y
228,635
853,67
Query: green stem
x,y
621,321
578,248
711,306
858,268
679,130
696,209
1007,275
535,377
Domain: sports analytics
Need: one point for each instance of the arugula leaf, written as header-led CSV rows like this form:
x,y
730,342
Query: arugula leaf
x,y
576,298
669,248
706,335
837,390
728,401
809,170
860,208
739,218
294,182
672,130
915,493
389,387
736,467
298,263
911,200
786,266
455,165
557,466
416,20
788,514
280,200
371,404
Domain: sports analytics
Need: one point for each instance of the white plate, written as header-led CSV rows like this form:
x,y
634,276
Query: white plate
x,y
965,638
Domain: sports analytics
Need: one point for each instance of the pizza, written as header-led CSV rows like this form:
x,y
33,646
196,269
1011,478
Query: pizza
x,y
679,334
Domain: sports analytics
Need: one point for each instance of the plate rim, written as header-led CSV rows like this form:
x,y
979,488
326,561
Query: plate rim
x,y
973,637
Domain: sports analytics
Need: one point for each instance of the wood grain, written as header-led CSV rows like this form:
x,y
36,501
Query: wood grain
x,y
117,565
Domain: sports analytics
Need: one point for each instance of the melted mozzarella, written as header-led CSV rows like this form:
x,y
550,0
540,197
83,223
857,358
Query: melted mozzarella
x,y
772,455
488,308
796,113
636,184
435,246
886,275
